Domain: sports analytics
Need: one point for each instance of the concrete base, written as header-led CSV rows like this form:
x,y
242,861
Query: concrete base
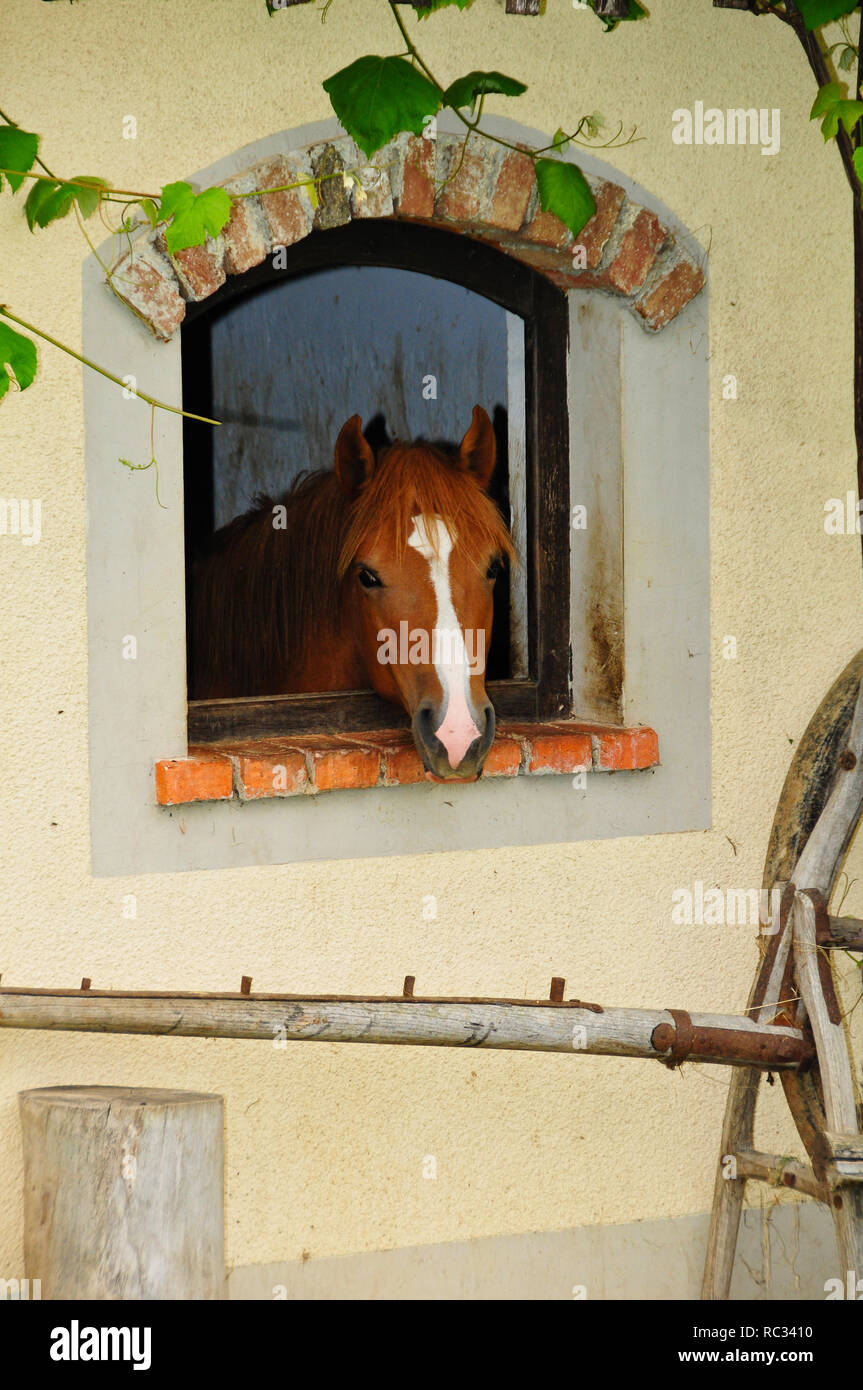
x,y
643,1260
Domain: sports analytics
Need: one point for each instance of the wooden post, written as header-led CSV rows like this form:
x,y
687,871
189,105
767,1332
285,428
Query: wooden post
x,y
123,1192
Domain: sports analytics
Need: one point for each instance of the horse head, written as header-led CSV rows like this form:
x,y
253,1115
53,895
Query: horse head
x,y
423,548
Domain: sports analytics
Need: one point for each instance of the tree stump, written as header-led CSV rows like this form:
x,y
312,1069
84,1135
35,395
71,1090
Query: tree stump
x,y
123,1192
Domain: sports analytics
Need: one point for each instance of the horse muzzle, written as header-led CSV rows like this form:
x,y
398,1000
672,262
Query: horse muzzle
x,y
453,751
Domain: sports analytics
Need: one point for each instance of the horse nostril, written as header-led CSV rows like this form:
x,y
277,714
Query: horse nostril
x,y
425,725
425,717
488,722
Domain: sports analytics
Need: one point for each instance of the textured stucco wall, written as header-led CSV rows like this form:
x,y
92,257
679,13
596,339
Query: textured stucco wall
x,y
326,1144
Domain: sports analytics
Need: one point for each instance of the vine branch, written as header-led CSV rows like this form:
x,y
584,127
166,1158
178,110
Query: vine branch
x,y
94,366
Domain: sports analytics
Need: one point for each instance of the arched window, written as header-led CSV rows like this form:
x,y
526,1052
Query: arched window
x,y
284,353
600,350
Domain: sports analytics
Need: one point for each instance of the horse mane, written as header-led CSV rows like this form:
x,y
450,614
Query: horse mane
x,y
262,593
259,589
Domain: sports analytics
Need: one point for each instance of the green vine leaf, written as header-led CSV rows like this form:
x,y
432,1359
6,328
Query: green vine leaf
x,y
49,200
54,205
39,193
828,95
818,12
832,105
18,149
849,113
17,359
150,211
593,124
857,161
175,197
465,90
88,193
564,191
192,215
432,5
375,98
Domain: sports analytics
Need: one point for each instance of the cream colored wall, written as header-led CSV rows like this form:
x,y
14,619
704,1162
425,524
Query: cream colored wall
x,y
326,1144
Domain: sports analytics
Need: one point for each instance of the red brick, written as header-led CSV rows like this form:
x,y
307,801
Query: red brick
x,y
665,299
340,768
245,235
514,729
145,280
515,184
263,776
180,780
545,258
595,233
289,212
417,196
638,248
371,194
548,230
348,760
461,197
626,749
403,765
504,758
560,753
201,269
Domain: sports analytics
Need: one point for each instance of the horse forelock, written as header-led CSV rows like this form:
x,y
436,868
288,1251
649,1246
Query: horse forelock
x,y
419,479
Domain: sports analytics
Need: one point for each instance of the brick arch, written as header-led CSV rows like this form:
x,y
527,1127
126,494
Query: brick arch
x,y
488,192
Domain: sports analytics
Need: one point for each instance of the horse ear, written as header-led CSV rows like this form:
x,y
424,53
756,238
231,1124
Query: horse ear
x,y
354,461
477,451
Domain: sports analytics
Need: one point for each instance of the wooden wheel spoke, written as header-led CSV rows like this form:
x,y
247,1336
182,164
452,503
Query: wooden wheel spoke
x,y
816,817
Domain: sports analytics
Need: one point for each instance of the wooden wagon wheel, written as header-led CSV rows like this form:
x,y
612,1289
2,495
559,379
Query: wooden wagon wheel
x,y
816,817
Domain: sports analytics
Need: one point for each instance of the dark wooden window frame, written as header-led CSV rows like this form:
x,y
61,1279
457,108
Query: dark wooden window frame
x,y
545,693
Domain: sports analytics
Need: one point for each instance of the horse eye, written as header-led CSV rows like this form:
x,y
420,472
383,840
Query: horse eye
x,y
494,568
369,579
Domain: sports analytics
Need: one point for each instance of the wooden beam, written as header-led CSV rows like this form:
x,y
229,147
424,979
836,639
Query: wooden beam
x,y
780,1172
843,1156
846,934
545,1026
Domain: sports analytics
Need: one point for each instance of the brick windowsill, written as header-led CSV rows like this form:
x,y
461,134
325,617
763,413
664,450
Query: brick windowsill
x,y
309,764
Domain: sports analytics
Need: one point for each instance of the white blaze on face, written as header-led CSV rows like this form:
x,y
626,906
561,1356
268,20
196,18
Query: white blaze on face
x,y
432,539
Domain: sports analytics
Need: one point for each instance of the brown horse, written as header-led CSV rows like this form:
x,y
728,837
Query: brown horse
x,y
379,573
